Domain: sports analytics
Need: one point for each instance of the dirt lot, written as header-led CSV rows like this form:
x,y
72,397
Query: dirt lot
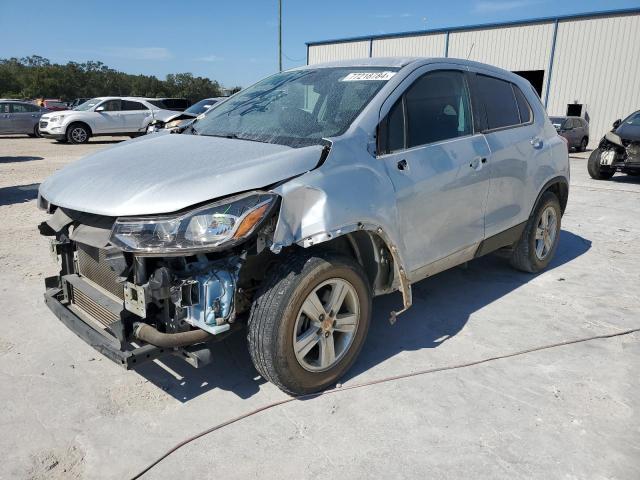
x,y
570,412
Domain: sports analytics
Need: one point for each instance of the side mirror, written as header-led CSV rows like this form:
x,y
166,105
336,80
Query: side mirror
x,y
617,123
100,109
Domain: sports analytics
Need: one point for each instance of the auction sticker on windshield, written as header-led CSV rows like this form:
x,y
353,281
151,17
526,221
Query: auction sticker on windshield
x,y
359,76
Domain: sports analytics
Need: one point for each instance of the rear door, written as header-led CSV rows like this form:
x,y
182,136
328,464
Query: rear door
x,y
436,163
24,117
517,147
134,115
109,119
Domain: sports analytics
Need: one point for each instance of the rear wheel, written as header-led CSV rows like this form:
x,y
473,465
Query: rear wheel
x,y
595,169
539,240
583,144
309,321
78,133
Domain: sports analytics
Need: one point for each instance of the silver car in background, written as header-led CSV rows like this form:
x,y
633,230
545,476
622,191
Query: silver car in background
x,y
19,117
285,209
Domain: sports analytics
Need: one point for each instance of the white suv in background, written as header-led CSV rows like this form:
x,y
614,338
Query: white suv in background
x,y
102,116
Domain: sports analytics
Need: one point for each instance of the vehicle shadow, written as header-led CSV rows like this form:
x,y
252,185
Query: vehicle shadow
x,y
230,369
19,159
91,142
624,178
442,306
18,194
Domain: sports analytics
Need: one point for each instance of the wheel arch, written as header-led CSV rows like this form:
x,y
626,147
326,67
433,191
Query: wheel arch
x,y
558,186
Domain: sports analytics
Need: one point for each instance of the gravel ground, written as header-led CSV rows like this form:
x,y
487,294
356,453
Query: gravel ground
x,y
569,412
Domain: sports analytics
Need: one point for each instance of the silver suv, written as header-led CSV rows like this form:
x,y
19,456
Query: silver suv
x,y
283,210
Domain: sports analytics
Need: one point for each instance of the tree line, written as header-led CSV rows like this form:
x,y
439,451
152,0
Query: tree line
x,y
36,77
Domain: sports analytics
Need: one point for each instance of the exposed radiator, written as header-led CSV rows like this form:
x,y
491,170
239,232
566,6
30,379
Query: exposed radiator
x,y
92,265
92,308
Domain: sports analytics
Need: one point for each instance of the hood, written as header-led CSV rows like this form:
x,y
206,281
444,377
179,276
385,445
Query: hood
x,y
630,132
166,173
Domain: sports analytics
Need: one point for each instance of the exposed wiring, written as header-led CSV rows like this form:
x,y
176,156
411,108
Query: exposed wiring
x,y
340,388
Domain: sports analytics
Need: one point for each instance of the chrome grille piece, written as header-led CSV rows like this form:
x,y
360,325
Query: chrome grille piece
x,y
92,308
92,265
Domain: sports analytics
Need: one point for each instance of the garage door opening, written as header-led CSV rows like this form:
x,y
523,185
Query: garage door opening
x,y
535,77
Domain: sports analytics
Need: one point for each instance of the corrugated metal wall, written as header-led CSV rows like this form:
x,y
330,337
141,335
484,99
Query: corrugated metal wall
x,y
597,63
338,51
419,46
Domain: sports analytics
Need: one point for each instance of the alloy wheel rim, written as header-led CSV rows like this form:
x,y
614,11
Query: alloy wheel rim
x,y
326,325
546,232
79,135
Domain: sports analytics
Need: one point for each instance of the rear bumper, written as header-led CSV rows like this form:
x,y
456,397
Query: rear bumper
x,y
119,352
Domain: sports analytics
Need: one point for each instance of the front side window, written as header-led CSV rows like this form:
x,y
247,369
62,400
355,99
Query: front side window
x,y
296,108
111,106
633,119
499,102
434,108
437,108
4,108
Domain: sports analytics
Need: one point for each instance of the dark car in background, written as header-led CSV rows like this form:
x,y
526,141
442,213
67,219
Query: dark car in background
x,y
176,104
182,118
54,104
618,150
574,129
20,117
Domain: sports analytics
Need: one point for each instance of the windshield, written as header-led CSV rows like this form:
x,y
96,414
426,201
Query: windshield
x,y
88,104
201,107
633,119
296,108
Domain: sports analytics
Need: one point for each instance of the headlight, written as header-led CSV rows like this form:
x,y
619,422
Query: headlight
x,y
56,118
173,123
220,224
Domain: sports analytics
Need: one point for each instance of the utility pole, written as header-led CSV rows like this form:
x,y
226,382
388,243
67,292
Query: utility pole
x,y
280,35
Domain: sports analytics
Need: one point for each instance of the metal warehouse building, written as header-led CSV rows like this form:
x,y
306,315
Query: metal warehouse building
x,y
586,65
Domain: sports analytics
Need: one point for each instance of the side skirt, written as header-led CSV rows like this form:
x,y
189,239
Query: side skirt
x,y
499,240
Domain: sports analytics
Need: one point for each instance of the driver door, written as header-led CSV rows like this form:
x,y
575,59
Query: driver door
x,y
109,118
438,169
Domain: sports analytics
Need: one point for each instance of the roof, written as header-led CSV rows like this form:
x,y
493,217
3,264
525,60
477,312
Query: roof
x,y
602,13
389,62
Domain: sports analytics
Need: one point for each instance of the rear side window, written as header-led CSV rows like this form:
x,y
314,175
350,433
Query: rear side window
x,y
499,102
4,108
129,105
523,106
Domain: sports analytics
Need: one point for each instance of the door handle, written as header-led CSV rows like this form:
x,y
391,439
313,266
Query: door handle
x,y
477,163
403,165
537,143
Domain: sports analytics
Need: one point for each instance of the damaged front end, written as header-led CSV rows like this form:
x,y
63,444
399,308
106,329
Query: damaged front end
x,y
619,153
137,288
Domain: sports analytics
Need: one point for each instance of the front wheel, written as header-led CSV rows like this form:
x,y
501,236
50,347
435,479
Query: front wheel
x,y
595,169
583,144
78,133
539,240
309,321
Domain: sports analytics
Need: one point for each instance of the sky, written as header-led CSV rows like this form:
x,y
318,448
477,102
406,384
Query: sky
x,y
235,43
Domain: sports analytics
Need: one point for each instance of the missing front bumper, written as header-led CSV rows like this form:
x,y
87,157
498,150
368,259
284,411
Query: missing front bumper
x,y
111,348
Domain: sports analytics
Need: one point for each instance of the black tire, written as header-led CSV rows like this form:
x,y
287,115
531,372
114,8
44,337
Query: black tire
x,y
78,133
583,144
597,171
276,308
524,256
